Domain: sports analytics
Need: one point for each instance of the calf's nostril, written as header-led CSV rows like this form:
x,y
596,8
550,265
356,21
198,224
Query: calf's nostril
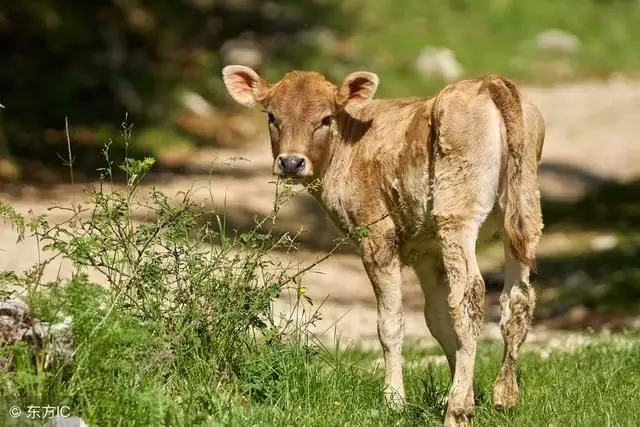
x,y
300,163
282,163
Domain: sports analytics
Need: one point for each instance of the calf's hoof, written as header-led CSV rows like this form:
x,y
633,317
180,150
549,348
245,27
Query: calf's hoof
x,y
459,417
394,399
505,393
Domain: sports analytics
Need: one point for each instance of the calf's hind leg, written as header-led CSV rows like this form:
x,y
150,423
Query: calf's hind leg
x,y
517,303
465,301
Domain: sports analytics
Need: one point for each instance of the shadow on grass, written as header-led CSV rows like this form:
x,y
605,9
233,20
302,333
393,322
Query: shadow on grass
x,y
607,206
594,287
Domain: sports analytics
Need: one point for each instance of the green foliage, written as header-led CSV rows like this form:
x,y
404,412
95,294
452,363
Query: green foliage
x,y
95,62
184,316
92,63
8,213
492,36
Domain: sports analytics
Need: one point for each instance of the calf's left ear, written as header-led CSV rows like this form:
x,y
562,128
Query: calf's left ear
x,y
357,88
244,84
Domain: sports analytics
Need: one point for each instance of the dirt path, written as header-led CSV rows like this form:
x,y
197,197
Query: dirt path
x,y
592,133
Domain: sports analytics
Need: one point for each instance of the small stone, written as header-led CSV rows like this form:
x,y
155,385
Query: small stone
x,y
555,39
604,242
243,52
59,421
439,62
15,321
18,324
195,103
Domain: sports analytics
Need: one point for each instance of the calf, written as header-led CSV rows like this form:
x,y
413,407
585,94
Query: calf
x,y
424,175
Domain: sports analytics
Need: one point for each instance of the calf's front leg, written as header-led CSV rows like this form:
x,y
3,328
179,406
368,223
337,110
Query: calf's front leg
x,y
384,270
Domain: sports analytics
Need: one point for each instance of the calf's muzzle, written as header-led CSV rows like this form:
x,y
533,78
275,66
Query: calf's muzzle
x,y
291,165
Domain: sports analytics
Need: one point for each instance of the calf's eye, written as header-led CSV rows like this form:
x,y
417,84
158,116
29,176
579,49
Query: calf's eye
x,y
326,121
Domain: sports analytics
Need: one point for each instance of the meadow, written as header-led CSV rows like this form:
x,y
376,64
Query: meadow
x,y
182,332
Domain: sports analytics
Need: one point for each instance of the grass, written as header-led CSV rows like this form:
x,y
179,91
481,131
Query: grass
x,y
487,36
182,332
303,385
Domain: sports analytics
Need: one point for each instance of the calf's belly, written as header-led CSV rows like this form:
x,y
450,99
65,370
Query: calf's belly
x,y
424,243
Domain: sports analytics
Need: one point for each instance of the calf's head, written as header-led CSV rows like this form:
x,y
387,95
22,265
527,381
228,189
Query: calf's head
x,y
302,111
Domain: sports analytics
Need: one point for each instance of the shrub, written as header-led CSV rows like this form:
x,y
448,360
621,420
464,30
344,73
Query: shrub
x,y
185,309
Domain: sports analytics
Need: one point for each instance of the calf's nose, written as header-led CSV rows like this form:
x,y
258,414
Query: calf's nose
x,y
291,165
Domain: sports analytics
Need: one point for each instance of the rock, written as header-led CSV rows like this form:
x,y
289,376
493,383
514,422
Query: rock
x,y
555,39
195,103
15,321
439,62
243,52
59,421
18,324
604,243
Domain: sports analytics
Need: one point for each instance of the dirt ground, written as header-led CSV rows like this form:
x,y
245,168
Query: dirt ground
x,y
592,133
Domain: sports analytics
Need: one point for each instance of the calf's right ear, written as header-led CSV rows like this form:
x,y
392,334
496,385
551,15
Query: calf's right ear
x,y
244,84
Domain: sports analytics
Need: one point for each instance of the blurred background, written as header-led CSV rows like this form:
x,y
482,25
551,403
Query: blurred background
x,y
151,69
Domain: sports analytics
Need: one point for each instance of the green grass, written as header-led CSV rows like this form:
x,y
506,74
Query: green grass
x,y
488,36
184,334
120,380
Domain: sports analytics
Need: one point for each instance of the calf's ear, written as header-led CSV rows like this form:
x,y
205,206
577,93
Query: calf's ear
x,y
357,88
244,84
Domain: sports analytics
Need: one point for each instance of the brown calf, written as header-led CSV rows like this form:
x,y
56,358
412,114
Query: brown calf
x,y
425,175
